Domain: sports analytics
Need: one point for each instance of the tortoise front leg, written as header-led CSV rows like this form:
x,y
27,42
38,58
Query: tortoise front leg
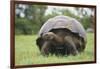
x,y
71,48
45,48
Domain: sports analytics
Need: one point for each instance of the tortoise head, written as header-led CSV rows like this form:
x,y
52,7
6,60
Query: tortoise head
x,y
49,36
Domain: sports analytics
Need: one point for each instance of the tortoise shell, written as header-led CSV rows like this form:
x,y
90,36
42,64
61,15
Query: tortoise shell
x,y
63,22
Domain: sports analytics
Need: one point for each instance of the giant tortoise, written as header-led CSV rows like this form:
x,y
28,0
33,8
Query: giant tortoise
x,y
61,35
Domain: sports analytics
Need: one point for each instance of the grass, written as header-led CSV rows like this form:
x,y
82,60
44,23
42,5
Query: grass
x,y
27,53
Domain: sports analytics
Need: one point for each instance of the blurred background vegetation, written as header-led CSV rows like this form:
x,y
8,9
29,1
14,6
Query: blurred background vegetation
x,y
30,18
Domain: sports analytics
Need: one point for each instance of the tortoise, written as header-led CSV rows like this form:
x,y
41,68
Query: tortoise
x,y
61,35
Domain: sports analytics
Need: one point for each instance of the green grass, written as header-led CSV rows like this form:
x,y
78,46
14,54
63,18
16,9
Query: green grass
x,y
27,53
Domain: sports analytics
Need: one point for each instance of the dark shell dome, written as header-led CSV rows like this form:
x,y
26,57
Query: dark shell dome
x,y
63,22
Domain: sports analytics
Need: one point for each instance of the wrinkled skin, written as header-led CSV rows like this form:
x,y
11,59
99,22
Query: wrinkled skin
x,y
60,42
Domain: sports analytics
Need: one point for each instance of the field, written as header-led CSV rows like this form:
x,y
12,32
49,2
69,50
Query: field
x,y
27,53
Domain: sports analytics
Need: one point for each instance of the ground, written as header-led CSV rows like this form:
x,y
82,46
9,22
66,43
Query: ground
x,y
27,53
